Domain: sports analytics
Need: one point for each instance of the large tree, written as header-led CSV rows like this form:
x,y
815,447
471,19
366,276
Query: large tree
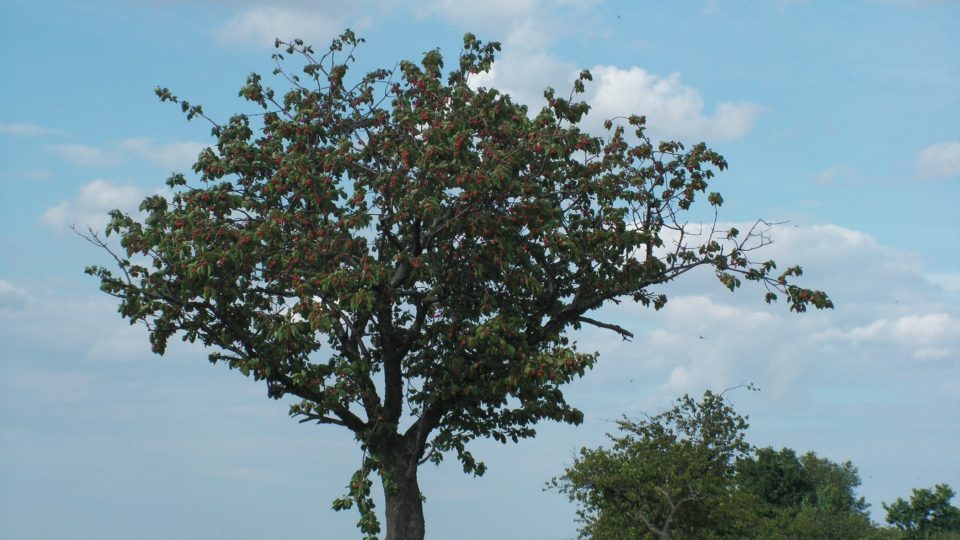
x,y
405,254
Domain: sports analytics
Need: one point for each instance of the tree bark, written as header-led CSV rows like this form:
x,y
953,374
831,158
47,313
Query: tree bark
x,y
404,506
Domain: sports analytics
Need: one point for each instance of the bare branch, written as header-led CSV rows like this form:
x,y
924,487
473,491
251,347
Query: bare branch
x,y
624,333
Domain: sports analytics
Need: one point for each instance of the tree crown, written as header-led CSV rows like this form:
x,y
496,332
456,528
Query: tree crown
x,y
402,247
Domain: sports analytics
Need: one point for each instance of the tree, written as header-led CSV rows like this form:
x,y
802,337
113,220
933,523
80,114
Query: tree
x,y
802,497
928,514
777,478
833,485
667,475
405,254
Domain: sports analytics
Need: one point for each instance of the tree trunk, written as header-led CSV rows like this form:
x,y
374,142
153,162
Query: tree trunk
x,y
404,507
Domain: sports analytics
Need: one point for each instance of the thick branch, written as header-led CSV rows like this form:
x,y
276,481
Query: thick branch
x,y
624,333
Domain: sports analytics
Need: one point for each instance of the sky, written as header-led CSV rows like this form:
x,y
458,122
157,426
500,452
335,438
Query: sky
x,y
840,121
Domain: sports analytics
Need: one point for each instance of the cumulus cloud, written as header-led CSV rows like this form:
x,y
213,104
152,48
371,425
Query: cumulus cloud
x,y
89,208
525,76
315,23
526,27
179,155
88,156
941,160
673,110
27,130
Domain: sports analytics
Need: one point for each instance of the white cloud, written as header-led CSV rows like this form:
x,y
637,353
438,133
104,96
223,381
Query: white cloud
x,y
11,296
851,262
939,160
925,329
673,110
82,327
178,155
521,25
890,320
923,336
88,156
949,282
260,26
525,76
680,379
27,130
89,208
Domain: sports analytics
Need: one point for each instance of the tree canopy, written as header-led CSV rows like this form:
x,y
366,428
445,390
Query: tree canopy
x,y
666,476
808,496
928,513
405,254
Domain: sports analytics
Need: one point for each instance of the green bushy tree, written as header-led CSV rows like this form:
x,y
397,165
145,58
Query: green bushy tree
x,y
928,514
802,496
666,476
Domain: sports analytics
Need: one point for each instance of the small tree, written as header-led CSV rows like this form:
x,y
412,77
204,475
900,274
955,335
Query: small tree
x,y
668,474
405,254
928,514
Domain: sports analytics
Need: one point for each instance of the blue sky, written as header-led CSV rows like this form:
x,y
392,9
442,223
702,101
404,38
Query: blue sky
x,y
840,118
